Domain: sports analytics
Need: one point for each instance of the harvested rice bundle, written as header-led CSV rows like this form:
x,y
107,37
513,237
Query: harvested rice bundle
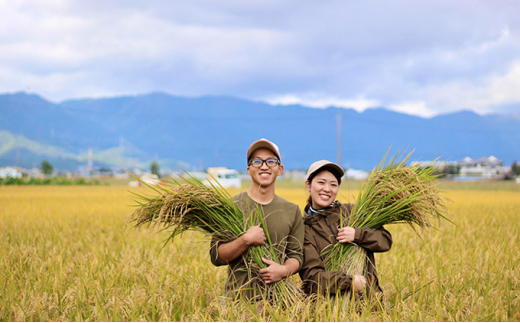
x,y
185,206
194,206
394,193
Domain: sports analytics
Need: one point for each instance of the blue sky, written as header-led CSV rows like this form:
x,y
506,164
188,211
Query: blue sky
x,y
419,57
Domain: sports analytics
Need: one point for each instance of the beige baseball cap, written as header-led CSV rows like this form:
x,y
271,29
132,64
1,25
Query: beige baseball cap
x,y
263,143
316,166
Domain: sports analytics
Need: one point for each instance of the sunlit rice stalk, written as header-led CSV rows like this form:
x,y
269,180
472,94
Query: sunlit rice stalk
x,y
191,205
394,193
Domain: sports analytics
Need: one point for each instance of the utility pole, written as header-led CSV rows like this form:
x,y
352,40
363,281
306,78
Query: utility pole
x,y
89,158
338,139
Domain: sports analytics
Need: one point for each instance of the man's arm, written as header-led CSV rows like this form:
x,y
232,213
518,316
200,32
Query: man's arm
x,y
294,253
254,236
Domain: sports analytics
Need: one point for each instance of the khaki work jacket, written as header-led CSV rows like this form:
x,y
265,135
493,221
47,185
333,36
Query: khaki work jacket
x,y
320,235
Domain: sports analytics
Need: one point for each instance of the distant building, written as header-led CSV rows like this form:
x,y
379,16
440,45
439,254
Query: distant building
x,y
295,175
483,167
33,172
356,174
436,163
10,172
121,174
146,178
487,167
224,176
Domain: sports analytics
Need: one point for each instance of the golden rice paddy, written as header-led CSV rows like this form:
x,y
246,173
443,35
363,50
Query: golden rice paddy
x,y
66,255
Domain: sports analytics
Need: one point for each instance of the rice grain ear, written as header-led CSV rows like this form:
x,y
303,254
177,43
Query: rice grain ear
x,y
394,193
187,204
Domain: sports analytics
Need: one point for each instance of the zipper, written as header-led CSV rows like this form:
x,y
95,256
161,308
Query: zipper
x,y
332,231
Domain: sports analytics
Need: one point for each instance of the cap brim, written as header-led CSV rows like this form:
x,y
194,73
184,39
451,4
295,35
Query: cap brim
x,y
262,144
317,166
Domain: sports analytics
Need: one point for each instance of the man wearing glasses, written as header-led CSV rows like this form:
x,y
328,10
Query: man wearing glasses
x,y
283,220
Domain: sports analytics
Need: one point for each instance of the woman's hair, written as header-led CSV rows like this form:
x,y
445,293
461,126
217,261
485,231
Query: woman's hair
x,y
330,170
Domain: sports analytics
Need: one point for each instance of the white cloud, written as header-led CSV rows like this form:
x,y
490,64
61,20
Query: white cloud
x,y
415,108
482,96
359,104
129,50
418,57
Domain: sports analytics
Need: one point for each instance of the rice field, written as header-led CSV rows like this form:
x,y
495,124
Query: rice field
x,y
66,255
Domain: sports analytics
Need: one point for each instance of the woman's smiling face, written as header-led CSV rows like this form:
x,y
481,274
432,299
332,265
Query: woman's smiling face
x,y
324,189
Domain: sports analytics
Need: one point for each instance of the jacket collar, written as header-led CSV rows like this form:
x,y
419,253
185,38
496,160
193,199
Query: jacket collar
x,y
332,214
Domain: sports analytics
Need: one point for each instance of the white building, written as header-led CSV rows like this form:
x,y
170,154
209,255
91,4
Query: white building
x,y
224,176
356,174
486,167
435,163
10,172
33,172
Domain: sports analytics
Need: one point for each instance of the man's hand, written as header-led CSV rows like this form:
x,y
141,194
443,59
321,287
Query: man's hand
x,y
346,234
274,272
359,283
254,236
232,250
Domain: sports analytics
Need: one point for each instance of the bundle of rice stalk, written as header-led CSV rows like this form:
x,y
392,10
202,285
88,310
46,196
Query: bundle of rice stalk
x,y
188,204
393,193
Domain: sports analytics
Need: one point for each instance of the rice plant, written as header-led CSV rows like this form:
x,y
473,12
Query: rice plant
x,y
394,193
191,205
65,257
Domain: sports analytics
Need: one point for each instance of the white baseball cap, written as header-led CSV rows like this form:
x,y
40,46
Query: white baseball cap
x,y
317,166
263,143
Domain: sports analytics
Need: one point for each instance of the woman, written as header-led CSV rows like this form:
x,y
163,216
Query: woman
x,y
322,219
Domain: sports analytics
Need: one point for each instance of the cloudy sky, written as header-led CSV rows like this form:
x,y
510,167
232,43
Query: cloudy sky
x,y
419,57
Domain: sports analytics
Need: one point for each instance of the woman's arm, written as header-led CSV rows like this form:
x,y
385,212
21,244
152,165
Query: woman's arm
x,y
316,279
378,240
375,240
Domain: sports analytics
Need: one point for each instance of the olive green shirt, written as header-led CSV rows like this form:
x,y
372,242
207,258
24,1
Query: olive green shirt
x,y
284,224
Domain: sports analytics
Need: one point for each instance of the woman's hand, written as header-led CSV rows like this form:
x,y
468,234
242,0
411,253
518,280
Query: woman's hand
x,y
346,234
359,283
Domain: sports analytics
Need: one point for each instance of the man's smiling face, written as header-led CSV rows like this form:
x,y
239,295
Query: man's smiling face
x,y
264,175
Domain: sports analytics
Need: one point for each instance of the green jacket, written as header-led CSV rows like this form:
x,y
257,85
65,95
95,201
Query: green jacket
x,y
320,235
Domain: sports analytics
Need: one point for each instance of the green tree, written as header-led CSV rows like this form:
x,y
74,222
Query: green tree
x,y
515,168
46,168
154,168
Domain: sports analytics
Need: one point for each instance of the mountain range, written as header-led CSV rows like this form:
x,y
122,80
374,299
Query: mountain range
x,y
197,132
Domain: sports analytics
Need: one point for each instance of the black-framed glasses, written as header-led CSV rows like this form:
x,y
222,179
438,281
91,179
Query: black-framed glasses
x,y
270,162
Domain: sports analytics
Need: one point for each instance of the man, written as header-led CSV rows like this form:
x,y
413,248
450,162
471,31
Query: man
x,y
283,221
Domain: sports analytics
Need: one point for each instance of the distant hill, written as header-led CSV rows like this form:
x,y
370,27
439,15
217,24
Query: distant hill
x,y
196,133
